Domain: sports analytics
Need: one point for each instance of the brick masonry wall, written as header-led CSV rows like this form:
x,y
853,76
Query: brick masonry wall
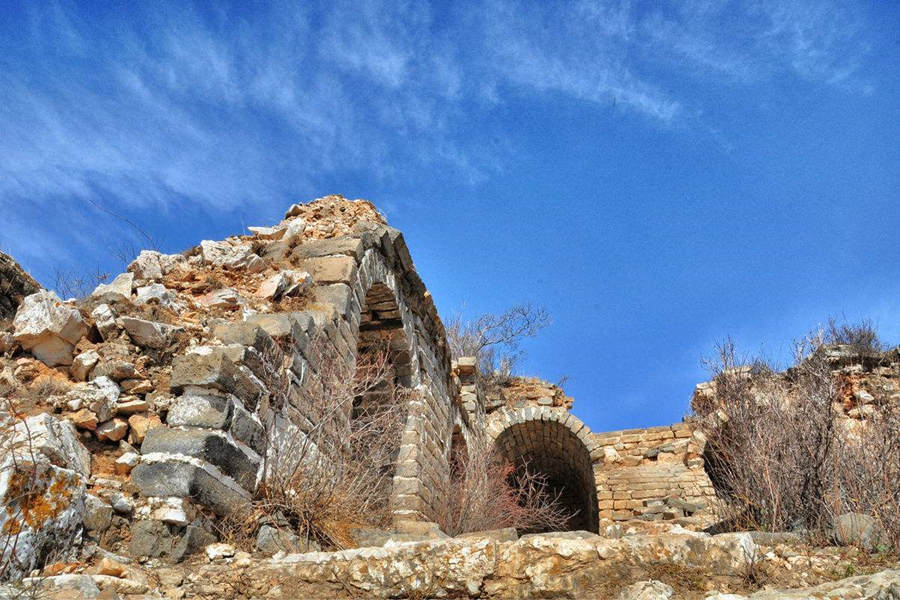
x,y
652,473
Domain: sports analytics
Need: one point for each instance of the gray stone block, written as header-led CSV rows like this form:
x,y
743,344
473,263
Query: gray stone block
x,y
246,333
185,480
247,429
334,247
97,513
277,325
338,295
210,446
200,410
211,369
150,538
194,539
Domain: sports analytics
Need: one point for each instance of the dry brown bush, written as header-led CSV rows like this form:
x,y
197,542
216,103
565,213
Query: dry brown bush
x,y
861,336
781,455
332,447
77,284
485,492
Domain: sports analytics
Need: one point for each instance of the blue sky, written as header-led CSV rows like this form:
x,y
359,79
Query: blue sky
x,y
657,176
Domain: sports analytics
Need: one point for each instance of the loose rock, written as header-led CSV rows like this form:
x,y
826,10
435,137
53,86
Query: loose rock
x,y
48,328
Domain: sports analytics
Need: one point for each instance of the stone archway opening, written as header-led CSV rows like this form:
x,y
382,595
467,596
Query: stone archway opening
x,y
459,454
383,347
382,339
550,449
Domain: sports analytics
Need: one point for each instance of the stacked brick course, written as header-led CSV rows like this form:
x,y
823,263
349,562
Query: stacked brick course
x,y
652,473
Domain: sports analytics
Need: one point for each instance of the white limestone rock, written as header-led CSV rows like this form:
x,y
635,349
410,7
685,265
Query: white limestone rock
x,y
148,334
219,551
284,283
97,513
82,365
118,290
884,585
223,298
126,462
293,211
98,396
294,230
113,430
151,265
48,327
105,321
267,233
230,256
56,439
171,510
43,502
156,293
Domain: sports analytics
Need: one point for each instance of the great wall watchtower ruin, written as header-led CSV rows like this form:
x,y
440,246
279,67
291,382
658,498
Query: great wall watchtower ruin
x,y
364,286
180,340
139,416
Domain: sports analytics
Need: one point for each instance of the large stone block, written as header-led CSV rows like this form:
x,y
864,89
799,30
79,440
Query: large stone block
x,y
56,440
156,539
338,295
152,265
246,333
43,510
158,476
330,269
48,328
148,334
246,428
118,290
210,446
333,247
204,367
276,325
197,409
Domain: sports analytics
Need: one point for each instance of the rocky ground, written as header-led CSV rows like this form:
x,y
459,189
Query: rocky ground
x,y
625,562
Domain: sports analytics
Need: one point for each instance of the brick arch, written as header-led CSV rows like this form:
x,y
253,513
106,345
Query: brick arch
x,y
370,281
559,446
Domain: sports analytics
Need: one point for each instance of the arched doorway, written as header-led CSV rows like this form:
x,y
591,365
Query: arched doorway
x,y
551,449
383,344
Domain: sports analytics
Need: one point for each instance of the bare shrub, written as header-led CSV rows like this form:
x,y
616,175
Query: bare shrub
x,y
494,338
332,447
861,336
767,451
77,284
485,492
867,478
780,454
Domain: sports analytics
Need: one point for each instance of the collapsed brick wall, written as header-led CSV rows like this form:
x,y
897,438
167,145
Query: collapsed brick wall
x,y
652,473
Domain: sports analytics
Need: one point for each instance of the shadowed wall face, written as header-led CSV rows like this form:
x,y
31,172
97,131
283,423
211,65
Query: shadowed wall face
x,y
552,450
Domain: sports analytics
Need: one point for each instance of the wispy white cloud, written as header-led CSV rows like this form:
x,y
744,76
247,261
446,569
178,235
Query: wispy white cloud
x,y
819,40
226,110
